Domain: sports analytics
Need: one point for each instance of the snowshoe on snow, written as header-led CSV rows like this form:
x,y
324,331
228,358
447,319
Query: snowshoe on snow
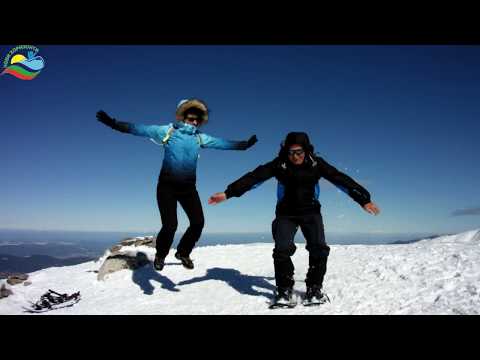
x,y
158,263
186,261
315,296
53,301
283,299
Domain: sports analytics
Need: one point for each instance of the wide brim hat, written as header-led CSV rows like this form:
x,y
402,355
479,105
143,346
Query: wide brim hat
x,y
186,104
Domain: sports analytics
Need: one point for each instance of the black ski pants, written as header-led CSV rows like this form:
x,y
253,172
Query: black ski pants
x,y
168,194
284,229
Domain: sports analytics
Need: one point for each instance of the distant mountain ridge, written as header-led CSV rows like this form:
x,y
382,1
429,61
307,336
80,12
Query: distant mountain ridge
x,y
26,264
53,249
419,239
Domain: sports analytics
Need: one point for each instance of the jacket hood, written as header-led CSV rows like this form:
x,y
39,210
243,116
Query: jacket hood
x,y
186,104
299,138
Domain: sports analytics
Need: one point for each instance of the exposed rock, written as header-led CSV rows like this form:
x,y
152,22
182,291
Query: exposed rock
x,y
147,241
118,262
115,248
17,279
27,283
4,292
138,241
128,241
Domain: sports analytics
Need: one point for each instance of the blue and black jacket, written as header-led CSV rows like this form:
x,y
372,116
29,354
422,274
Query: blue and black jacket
x,y
298,185
182,143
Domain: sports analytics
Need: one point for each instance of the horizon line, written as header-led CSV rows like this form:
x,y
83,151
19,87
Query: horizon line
x,y
210,233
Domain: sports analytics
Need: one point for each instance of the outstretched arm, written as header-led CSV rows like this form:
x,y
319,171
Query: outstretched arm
x,y
357,192
151,131
211,142
245,183
371,208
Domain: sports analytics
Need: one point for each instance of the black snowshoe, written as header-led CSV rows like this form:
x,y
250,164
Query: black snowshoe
x,y
315,296
284,298
53,301
186,261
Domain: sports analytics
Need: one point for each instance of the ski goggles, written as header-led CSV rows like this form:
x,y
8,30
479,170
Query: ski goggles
x,y
296,152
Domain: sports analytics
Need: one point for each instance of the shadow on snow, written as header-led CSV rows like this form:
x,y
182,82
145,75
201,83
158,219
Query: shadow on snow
x,y
244,284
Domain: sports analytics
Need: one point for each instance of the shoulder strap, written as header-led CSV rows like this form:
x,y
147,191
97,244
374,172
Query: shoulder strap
x,y
170,132
168,135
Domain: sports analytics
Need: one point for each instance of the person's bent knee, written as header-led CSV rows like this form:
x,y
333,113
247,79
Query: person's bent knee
x,y
198,224
169,228
319,251
319,257
284,252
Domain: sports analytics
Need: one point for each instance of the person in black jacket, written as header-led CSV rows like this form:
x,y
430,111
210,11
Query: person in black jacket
x,y
298,171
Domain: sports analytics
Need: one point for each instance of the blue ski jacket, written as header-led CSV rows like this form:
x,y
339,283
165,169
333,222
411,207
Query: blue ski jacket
x,y
182,143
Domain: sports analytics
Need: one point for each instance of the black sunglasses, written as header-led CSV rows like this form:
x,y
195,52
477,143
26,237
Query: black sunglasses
x,y
193,118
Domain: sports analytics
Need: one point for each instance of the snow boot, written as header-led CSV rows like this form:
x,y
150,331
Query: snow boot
x,y
186,261
283,298
315,296
159,263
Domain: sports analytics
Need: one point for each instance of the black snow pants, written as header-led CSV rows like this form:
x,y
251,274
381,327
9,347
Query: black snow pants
x,y
284,229
168,194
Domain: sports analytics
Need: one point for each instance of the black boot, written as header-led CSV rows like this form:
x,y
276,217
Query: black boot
x,y
159,263
315,296
283,298
186,261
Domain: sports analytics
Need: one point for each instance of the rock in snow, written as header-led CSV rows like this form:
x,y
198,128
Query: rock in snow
x,y
15,279
4,291
122,261
437,276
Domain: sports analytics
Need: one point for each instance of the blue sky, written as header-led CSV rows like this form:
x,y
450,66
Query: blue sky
x,y
401,120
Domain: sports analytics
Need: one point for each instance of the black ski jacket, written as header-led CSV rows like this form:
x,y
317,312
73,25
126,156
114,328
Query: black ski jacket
x,y
298,187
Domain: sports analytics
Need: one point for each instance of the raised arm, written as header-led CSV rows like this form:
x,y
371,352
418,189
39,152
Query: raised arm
x,y
155,132
211,142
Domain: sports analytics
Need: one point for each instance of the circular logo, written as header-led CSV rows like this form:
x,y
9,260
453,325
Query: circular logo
x,y
23,62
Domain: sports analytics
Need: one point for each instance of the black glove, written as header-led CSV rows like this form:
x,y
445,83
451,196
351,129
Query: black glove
x,y
253,139
103,117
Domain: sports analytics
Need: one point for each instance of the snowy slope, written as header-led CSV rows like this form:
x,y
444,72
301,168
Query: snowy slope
x,y
438,276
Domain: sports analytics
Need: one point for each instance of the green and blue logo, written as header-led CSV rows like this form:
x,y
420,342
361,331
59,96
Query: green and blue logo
x,y
23,62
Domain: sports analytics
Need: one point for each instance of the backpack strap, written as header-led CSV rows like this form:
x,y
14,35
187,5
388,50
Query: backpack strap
x,y
168,135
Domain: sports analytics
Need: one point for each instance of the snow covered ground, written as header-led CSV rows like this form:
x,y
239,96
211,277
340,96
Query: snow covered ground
x,y
439,276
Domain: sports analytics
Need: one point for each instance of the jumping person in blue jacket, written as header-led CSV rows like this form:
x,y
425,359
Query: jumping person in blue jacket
x,y
177,180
